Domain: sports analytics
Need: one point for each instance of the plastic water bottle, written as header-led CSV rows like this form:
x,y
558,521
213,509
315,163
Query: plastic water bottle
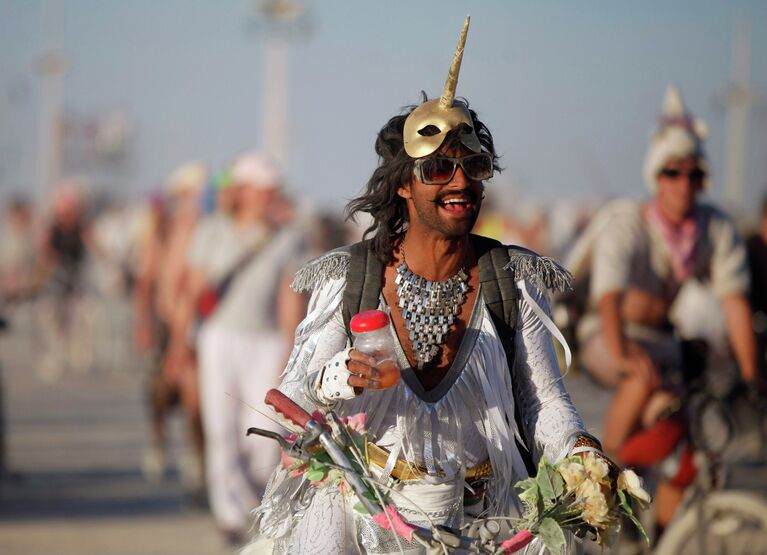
x,y
373,337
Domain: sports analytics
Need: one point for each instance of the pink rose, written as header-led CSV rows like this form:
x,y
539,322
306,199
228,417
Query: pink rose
x,y
356,422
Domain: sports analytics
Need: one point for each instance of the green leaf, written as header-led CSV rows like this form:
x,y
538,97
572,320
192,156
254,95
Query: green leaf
x,y
315,475
526,483
625,504
317,465
550,482
552,535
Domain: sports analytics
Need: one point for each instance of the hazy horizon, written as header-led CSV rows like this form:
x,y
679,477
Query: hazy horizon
x,y
570,91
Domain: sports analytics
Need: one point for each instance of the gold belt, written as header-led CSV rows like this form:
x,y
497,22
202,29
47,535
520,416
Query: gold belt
x,y
405,471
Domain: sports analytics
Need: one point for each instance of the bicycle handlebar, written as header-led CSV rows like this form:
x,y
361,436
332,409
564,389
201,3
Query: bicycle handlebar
x,y
446,538
288,408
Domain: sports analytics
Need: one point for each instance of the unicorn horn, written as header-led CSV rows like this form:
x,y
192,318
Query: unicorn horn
x,y
448,95
673,105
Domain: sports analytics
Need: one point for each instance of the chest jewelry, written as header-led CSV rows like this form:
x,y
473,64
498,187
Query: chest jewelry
x,y
429,309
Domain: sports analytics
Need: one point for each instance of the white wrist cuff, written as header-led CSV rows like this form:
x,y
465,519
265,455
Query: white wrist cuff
x,y
333,380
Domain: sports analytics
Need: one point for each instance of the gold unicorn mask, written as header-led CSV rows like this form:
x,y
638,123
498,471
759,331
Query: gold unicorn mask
x,y
426,126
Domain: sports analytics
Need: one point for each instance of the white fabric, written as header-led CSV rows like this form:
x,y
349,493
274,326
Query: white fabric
x,y
209,234
548,414
547,322
631,254
472,422
236,371
333,380
216,249
250,302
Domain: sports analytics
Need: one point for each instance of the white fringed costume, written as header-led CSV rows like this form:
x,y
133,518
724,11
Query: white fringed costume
x,y
466,420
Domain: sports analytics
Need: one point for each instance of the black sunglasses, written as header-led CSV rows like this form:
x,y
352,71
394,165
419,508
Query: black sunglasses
x,y
439,170
696,174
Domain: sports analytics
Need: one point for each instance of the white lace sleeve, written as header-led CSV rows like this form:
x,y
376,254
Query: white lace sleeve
x,y
318,337
551,422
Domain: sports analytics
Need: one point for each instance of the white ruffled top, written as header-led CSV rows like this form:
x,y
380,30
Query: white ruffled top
x,y
469,417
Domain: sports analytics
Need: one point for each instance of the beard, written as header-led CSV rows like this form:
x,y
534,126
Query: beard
x,y
432,214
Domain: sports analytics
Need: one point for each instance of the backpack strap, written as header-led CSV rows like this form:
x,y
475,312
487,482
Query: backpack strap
x,y
499,292
364,281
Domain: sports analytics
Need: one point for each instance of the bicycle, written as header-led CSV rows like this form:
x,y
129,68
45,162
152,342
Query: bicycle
x,y
710,520
333,437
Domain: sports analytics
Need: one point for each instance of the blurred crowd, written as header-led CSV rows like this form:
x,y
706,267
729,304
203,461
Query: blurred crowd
x,y
203,268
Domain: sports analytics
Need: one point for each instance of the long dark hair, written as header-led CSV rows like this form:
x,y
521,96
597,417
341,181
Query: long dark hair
x,y
395,169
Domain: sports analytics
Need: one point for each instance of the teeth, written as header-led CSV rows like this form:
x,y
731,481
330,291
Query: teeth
x,y
454,201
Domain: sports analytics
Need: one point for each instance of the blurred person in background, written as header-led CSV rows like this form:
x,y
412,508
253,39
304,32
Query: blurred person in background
x,y
67,246
18,249
162,277
18,264
217,223
116,229
150,332
18,259
757,259
239,288
642,255
67,239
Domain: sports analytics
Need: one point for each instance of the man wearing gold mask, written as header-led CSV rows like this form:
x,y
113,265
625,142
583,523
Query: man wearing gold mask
x,y
480,398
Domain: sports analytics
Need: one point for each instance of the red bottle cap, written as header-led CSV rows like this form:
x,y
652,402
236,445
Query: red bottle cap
x,y
368,321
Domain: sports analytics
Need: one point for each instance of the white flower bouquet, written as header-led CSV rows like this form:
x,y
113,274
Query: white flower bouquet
x,y
579,495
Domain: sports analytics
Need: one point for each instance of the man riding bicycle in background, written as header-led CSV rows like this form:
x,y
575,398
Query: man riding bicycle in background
x,y
642,255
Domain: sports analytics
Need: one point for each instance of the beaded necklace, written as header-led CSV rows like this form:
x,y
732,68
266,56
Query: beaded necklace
x,y
428,308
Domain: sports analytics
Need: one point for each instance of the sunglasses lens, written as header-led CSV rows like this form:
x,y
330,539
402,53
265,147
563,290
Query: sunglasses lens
x,y
697,175
438,170
478,167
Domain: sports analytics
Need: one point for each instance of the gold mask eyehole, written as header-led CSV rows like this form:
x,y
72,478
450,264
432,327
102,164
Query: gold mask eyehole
x,y
429,131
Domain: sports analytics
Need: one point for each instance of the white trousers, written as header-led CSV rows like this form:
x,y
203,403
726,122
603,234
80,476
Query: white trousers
x,y
236,371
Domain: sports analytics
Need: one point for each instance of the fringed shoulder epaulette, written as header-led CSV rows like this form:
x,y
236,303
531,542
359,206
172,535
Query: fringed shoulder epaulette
x,y
331,265
543,272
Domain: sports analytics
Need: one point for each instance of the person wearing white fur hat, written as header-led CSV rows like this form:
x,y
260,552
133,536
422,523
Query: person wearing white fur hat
x,y
640,256
246,315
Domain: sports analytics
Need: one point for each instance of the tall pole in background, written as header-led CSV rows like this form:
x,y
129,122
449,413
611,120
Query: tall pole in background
x,y
274,127
51,67
280,20
737,101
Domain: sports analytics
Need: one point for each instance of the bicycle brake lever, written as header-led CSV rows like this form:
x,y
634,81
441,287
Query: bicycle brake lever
x,y
295,450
